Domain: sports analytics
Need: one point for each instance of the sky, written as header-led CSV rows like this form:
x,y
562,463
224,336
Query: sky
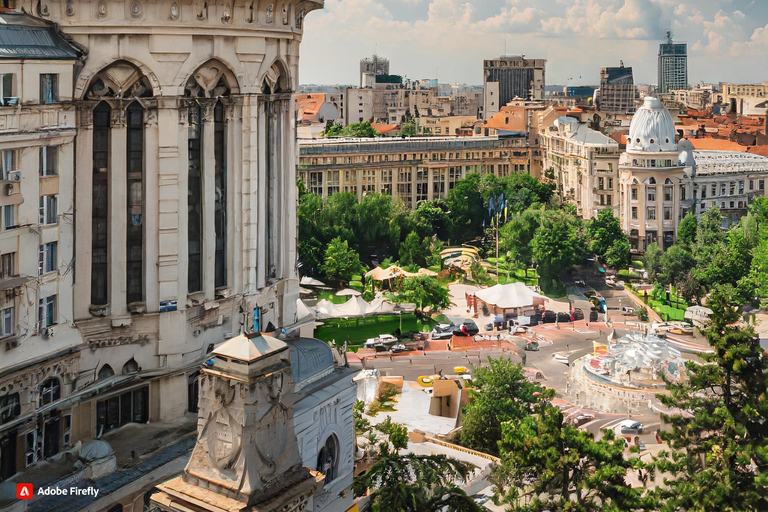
x,y
448,39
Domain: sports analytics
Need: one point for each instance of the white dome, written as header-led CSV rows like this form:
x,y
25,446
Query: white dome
x,y
652,128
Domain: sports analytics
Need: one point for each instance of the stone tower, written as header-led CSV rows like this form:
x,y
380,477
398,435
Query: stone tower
x,y
246,456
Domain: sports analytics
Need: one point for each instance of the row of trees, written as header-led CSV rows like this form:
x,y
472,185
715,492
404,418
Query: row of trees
x,y
706,255
536,228
718,442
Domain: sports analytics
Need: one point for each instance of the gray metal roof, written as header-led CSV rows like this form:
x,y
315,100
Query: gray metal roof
x,y
309,357
25,37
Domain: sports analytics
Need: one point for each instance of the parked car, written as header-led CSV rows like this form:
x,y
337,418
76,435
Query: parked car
x,y
630,427
610,281
468,328
442,331
532,346
548,317
627,310
578,314
560,358
398,347
564,317
381,338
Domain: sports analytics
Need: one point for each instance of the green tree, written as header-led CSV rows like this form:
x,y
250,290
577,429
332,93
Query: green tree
x,y
559,243
560,467
408,129
755,284
431,218
467,209
618,255
363,129
709,237
523,191
341,262
516,235
411,482
425,292
718,456
652,260
686,231
372,224
500,392
675,263
605,231
414,251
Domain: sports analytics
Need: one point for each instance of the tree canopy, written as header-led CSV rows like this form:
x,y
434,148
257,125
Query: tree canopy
x,y
341,262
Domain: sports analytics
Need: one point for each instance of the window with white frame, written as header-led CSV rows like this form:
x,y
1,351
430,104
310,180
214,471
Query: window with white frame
x,y
49,160
49,209
651,194
6,321
46,311
46,261
6,88
9,216
9,162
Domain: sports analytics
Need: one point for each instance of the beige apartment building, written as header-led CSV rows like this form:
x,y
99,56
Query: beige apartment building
x,y
413,169
584,162
746,99
165,132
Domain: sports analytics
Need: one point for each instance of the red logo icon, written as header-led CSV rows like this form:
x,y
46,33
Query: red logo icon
x,y
24,491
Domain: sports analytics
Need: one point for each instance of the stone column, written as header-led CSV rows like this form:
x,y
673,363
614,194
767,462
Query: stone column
x,y
83,208
256,246
118,214
150,207
234,159
209,203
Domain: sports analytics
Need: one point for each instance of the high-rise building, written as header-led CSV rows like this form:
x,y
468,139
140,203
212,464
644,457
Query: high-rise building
x,y
507,78
673,65
372,66
617,90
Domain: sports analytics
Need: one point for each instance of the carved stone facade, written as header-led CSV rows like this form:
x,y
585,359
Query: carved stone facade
x,y
182,121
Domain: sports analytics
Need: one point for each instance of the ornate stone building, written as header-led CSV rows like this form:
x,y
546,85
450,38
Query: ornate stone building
x,y
661,179
177,153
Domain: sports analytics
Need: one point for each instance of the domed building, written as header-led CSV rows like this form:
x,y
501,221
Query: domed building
x,y
662,179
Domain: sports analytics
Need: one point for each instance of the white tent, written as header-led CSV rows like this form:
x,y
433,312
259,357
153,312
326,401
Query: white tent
x,y
310,281
348,292
355,306
509,296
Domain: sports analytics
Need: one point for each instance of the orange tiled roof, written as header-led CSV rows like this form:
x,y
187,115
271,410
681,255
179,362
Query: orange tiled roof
x,y
687,121
383,128
309,104
716,144
506,120
759,150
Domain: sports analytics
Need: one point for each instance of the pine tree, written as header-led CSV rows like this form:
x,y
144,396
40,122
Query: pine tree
x,y
549,465
718,456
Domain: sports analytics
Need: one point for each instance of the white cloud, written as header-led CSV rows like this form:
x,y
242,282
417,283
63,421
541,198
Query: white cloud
x,y
450,38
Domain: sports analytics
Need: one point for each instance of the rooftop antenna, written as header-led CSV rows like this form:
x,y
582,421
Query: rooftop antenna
x,y
669,31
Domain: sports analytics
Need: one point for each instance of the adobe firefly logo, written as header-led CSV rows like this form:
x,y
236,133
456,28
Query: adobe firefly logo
x,y
24,491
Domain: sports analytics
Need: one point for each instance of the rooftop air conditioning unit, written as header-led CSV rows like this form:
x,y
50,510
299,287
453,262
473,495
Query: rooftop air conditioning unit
x,y
14,175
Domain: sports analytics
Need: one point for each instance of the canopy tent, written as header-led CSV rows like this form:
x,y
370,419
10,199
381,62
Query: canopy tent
x,y
509,296
384,274
348,292
355,306
310,281
697,314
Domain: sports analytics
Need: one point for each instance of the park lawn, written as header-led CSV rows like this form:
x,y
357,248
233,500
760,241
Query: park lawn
x,y
357,330
667,312
331,296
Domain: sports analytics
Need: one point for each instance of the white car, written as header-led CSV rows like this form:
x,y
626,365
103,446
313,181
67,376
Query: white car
x,y
610,281
560,358
381,338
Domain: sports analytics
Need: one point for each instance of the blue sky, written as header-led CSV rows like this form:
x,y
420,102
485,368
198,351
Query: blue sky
x,y
448,39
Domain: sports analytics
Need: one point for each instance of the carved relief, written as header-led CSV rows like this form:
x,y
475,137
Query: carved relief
x,y
300,19
42,9
251,13
208,82
101,9
120,80
70,8
29,378
174,11
203,14
135,9
270,13
226,16
138,339
285,14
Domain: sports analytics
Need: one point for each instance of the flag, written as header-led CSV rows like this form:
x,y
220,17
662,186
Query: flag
x,y
505,213
500,203
491,206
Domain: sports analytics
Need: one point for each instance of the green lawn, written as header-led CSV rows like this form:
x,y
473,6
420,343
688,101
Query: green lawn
x,y
667,312
357,330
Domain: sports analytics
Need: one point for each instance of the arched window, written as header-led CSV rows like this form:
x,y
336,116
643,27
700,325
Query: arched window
x,y
135,186
10,407
50,391
106,372
194,199
220,178
130,367
668,182
100,208
328,459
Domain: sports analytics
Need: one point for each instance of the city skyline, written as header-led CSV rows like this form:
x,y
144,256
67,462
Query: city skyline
x,y
419,37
